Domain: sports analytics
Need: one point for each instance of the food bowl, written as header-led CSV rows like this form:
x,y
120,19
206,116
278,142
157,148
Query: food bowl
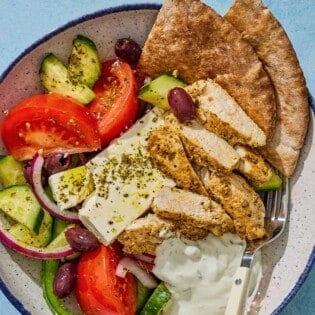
x,y
285,263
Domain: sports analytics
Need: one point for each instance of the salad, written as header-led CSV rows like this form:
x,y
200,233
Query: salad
x,y
64,152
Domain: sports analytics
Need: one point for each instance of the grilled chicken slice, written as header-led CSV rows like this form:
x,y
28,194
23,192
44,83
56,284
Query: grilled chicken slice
x,y
167,152
239,200
144,234
193,214
203,147
219,113
252,165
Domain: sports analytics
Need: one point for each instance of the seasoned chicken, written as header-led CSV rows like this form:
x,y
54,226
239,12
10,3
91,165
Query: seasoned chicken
x,y
144,234
252,165
167,152
207,149
194,214
219,113
203,147
239,200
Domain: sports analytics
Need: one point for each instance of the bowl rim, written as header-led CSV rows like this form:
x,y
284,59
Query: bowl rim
x,y
116,9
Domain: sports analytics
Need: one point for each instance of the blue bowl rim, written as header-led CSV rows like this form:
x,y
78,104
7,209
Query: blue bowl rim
x,y
149,6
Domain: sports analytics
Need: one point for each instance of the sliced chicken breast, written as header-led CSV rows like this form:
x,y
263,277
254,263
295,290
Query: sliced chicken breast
x,y
192,213
239,200
144,234
252,165
219,113
168,154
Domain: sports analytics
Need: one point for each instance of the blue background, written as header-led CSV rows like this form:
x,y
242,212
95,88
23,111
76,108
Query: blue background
x,y
23,22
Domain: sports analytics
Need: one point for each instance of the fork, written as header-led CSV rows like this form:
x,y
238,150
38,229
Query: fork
x,y
276,203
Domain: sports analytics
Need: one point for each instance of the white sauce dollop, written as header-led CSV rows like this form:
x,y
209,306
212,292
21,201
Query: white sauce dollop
x,y
199,274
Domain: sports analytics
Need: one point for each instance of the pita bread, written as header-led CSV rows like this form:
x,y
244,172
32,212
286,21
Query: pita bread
x,y
261,29
194,40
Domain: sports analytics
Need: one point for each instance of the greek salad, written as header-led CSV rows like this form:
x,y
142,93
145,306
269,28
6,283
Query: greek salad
x,y
50,138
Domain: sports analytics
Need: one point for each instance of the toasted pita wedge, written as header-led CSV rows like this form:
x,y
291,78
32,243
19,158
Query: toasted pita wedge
x,y
193,39
261,29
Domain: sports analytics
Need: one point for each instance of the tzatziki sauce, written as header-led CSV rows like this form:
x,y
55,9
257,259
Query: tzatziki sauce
x,y
199,274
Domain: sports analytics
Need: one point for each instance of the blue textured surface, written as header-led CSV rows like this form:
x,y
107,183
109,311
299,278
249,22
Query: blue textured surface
x,y
23,22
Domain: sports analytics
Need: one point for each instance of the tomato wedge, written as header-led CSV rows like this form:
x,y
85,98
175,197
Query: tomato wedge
x,y
50,122
99,291
116,104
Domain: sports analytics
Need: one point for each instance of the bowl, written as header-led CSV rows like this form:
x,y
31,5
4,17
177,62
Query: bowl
x,y
285,263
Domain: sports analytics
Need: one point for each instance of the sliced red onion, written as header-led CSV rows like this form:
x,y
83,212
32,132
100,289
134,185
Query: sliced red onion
x,y
145,258
43,199
128,264
31,251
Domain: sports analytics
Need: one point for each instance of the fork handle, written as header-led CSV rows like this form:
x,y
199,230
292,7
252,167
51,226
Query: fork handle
x,y
238,295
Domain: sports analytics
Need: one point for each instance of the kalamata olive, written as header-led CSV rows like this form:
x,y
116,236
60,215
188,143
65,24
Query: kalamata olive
x,y
81,239
181,104
65,279
128,50
56,163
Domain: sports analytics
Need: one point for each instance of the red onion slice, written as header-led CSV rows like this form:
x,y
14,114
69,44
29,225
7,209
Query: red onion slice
x,y
127,264
145,258
43,199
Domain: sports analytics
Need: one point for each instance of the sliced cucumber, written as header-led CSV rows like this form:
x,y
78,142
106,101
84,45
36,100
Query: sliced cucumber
x,y
19,203
11,172
60,240
157,301
26,236
84,63
155,92
55,78
143,294
274,183
58,227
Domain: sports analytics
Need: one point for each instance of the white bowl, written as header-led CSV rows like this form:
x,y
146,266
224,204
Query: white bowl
x,y
285,263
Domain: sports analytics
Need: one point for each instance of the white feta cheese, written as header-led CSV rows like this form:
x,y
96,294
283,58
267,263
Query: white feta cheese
x,y
125,181
71,187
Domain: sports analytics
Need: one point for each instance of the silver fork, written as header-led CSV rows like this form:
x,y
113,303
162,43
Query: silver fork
x,y
276,203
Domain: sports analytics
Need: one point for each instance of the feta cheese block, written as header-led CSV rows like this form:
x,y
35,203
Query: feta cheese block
x,y
70,187
125,181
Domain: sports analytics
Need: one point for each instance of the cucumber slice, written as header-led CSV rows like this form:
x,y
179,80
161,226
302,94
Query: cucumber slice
x,y
26,236
11,172
58,227
19,203
84,63
155,92
55,78
157,301
143,294
60,240
274,183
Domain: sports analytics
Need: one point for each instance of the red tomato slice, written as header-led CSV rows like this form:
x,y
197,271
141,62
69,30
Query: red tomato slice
x,y
99,291
116,104
50,122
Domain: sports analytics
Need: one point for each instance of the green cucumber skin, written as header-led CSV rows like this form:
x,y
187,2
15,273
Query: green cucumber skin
x,y
20,204
157,301
274,183
11,172
84,63
24,235
49,269
156,91
55,78
143,294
